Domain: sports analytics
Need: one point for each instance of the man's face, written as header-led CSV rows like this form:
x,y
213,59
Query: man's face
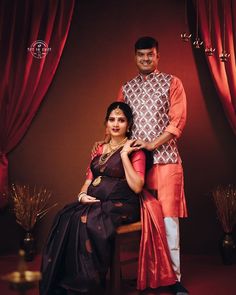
x,y
146,60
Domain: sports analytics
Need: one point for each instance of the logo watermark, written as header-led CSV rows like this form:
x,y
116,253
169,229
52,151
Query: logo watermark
x,y
39,49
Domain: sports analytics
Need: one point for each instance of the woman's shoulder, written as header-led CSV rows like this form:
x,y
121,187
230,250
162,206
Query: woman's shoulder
x,y
96,152
138,154
143,155
99,150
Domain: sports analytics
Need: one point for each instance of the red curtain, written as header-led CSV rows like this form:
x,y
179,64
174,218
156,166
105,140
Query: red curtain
x,y
24,79
222,36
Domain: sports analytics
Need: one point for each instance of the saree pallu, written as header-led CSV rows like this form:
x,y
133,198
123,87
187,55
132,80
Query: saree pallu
x,y
155,268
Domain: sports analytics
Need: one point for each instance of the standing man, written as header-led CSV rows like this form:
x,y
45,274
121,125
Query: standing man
x,y
158,103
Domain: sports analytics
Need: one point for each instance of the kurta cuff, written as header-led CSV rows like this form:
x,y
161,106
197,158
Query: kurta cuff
x,y
173,130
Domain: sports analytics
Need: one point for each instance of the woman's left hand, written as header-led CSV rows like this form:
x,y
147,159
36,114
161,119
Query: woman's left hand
x,y
86,199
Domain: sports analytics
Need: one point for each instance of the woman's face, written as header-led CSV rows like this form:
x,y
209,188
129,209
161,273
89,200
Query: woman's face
x,y
117,123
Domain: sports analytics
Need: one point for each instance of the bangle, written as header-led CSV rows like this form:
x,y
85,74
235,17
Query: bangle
x,y
80,196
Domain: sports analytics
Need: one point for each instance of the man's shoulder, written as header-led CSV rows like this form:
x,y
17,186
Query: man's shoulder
x,y
171,76
163,75
173,80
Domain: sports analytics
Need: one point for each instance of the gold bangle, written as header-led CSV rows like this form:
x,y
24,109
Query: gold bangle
x,y
80,196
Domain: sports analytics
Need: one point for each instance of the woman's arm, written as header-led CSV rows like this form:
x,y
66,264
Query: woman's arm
x,y
83,197
134,167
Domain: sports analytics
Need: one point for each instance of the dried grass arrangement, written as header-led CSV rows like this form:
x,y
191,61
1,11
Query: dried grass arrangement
x,y
29,204
225,201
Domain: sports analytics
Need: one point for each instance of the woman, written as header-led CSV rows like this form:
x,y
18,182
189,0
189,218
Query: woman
x,y
78,251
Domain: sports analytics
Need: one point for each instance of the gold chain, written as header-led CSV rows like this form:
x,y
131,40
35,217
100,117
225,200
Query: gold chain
x,y
104,157
116,146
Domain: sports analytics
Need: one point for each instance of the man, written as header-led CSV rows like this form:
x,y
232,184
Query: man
x,y
158,103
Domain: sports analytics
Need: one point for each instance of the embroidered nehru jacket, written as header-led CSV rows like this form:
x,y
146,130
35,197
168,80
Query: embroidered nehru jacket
x,y
158,103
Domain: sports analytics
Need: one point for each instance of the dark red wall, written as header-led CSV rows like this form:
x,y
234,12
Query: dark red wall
x,y
97,58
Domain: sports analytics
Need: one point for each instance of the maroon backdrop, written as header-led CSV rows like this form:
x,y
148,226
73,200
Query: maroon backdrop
x,y
97,58
24,79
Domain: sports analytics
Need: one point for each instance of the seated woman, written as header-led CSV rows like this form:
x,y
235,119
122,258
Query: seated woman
x,y
78,250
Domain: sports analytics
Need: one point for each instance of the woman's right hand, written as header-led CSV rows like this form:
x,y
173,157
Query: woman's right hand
x,y
86,199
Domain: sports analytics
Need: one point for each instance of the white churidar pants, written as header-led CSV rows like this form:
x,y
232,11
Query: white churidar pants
x,y
172,235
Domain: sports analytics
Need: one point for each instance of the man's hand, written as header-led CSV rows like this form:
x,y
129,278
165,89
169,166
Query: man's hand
x,y
144,145
96,145
101,142
130,146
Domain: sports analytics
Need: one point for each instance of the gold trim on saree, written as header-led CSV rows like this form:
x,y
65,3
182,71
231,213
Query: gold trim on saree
x,y
97,181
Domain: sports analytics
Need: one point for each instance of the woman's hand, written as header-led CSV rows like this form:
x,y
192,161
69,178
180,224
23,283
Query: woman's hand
x,y
98,143
130,146
86,199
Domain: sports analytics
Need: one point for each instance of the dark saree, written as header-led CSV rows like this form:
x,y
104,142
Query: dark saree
x,y
78,250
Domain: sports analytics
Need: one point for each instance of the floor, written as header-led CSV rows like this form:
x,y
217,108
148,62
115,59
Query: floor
x,y
202,275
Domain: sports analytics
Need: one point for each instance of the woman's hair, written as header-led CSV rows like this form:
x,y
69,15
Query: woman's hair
x,y
126,110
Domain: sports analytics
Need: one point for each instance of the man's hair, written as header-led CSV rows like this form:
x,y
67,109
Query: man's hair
x,y
146,43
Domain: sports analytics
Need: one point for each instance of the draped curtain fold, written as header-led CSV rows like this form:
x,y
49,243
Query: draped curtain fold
x,y
221,36
24,79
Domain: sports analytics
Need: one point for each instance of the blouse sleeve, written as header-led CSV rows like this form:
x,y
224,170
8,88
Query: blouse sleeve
x,y
89,174
138,161
177,113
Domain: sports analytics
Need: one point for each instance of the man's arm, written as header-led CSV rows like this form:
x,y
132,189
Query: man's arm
x,y
178,108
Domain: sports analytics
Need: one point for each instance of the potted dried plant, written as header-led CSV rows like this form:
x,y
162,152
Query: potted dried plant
x,y
29,205
225,201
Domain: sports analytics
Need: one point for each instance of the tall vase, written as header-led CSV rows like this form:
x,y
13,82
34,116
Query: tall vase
x,y
227,248
29,246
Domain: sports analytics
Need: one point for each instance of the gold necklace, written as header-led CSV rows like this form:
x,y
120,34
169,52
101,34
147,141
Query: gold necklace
x,y
104,157
117,146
